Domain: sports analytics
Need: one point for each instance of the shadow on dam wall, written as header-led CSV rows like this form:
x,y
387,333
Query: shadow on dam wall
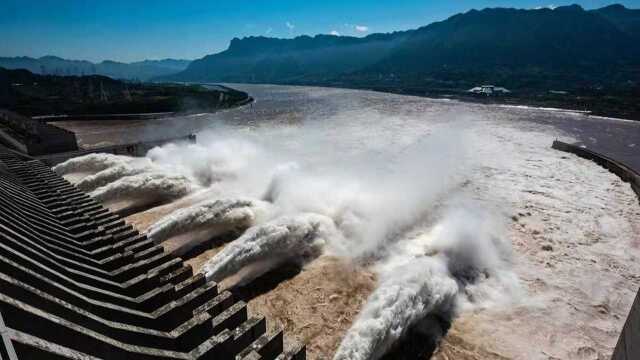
x,y
628,346
78,282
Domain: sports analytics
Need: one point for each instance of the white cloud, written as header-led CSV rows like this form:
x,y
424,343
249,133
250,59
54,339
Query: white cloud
x,y
268,31
361,28
551,6
335,33
290,25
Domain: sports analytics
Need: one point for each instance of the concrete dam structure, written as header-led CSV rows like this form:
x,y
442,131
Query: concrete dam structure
x,y
34,137
77,282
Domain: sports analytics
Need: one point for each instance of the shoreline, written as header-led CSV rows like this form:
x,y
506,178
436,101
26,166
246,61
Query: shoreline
x,y
506,101
514,101
45,98
136,116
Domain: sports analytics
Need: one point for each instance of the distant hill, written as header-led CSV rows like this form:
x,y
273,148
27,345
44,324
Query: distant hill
x,y
53,65
262,59
31,94
627,20
566,47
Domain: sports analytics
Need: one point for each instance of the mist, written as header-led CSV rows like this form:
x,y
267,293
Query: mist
x,y
149,187
91,163
435,270
395,204
294,238
212,217
111,174
436,251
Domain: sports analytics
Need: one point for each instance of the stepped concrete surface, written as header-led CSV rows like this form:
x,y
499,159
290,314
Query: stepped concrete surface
x,y
78,282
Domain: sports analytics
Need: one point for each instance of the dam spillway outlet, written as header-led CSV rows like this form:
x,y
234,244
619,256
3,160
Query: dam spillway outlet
x,y
78,282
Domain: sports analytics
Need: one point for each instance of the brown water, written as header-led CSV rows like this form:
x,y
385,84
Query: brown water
x,y
288,104
573,225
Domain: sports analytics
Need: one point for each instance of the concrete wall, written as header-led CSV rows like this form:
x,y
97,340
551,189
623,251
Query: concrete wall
x,y
628,346
51,139
6,348
133,149
12,142
33,137
78,282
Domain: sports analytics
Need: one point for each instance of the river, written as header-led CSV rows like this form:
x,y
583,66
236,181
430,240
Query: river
x,y
619,139
384,168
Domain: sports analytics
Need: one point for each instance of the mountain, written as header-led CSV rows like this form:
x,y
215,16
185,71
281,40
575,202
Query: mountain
x,y
31,94
568,44
564,47
261,59
53,65
627,20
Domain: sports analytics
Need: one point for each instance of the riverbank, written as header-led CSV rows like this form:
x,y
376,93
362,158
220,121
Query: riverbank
x,y
56,98
621,105
611,103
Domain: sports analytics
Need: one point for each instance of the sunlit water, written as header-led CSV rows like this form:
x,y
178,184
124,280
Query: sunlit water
x,y
405,180
620,139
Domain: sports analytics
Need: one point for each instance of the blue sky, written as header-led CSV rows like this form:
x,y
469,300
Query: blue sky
x,y
152,29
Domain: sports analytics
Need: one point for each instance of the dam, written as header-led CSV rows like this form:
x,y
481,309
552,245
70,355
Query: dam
x,y
379,186
78,282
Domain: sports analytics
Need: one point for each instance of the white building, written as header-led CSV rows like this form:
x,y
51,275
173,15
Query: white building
x,y
489,90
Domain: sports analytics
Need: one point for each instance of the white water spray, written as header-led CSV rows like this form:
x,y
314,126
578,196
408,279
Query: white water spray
x,y
283,239
234,161
215,217
91,163
405,295
149,187
516,169
433,272
111,174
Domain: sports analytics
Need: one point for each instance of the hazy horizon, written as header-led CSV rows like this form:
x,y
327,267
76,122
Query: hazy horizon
x,y
125,32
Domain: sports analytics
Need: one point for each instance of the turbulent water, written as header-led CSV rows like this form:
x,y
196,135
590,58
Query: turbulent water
x,y
91,163
111,174
267,245
404,296
151,186
216,217
461,210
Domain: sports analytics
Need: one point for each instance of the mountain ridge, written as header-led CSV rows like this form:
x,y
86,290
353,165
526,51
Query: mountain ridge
x,y
513,46
55,65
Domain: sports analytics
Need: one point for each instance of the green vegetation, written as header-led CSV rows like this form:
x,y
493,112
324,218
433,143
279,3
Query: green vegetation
x,y
615,101
592,55
30,94
622,104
